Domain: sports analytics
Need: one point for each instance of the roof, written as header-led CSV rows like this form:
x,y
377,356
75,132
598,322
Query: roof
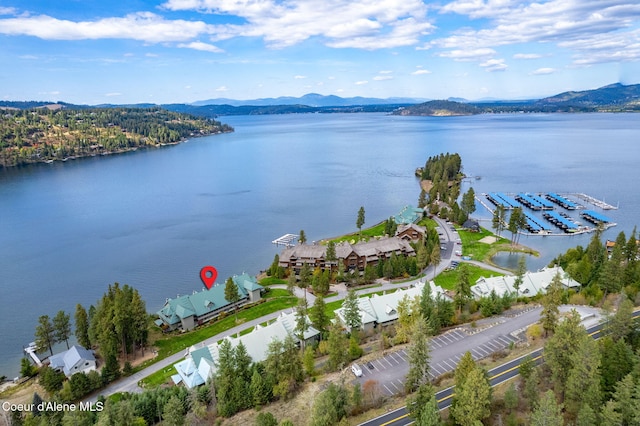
x,y
201,361
404,227
408,214
206,301
532,283
371,248
68,359
382,309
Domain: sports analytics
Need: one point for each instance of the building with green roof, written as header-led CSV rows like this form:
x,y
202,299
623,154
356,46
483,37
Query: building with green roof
x,y
188,311
409,214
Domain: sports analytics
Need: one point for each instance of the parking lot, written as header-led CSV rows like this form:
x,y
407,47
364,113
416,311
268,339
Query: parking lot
x,y
447,349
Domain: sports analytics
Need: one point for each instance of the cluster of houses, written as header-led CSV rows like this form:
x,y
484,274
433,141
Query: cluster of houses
x,y
532,284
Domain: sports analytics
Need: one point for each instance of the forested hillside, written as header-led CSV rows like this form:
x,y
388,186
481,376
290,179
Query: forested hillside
x,y
44,135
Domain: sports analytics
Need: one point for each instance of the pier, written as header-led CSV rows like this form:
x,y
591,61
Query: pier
x,y
286,240
561,201
595,217
592,200
31,351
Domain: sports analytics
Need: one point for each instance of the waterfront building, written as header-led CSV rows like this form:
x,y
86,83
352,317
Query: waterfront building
x,y
74,360
188,311
532,283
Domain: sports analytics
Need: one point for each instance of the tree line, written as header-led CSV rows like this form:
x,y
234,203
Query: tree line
x,y
36,135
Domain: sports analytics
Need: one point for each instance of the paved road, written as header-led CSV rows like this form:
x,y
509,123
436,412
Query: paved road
x,y
449,239
500,374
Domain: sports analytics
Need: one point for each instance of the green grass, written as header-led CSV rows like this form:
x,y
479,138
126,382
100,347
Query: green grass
x,y
471,245
277,292
271,281
368,233
179,342
447,279
159,377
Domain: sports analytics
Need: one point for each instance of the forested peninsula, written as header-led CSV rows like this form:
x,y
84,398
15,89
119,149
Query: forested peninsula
x,y
47,134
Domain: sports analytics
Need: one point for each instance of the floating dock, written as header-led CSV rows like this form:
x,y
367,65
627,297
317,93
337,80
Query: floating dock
x,y
533,201
561,201
286,240
561,222
598,203
501,199
595,217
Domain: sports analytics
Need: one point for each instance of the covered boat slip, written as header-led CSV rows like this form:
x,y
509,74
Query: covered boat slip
x,y
542,210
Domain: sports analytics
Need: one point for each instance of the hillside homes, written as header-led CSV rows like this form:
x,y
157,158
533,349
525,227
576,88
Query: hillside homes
x,y
188,311
380,310
532,284
200,363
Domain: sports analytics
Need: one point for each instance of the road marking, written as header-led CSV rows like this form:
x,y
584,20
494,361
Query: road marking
x,y
404,352
445,337
381,365
449,365
396,354
394,385
385,358
434,341
475,355
388,390
494,346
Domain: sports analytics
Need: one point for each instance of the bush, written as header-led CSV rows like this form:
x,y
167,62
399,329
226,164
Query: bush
x,y
534,332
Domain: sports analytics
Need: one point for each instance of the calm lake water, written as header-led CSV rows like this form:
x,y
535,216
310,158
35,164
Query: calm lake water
x,y
153,219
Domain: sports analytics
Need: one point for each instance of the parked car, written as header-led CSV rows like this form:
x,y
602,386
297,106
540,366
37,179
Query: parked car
x,y
357,371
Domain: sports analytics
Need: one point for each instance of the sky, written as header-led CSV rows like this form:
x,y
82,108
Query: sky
x,y
181,51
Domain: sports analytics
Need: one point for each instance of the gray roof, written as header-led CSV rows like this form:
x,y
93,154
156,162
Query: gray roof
x,y
68,359
532,284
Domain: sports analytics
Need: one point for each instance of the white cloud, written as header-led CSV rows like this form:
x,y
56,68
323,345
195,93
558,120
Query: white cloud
x,y
361,82
544,71
577,25
527,56
385,72
382,77
111,94
299,77
142,26
365,24
30,57
198,45
222,89
421,72
469,54
493,65
8,11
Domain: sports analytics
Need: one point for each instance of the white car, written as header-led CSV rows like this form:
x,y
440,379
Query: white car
x,y
357,371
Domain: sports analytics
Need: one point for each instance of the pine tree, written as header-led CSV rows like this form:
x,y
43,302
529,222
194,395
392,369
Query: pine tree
x,y
548,412
550,303
468,204
462,287
231,294
302,238
418,356
472,400
45,334
62,327
318,315
82,327
351,311
360,220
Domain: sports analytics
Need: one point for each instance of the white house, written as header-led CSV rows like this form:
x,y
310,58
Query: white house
x,y
200,363
74,360
532,283
382,309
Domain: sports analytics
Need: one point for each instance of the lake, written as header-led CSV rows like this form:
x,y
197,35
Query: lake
x,y
153,218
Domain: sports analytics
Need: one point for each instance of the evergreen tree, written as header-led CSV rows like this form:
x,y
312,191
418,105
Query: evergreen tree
x,y
330,254
521,271
302,324
318,315
337,348
548,412
550,303
62,327
260,394
499,218
360,220
45,334
472,401
231,294
462,287
173,412
418,355
302,238
82,327
559,351
468,204
430,413
351,311
305,278
583,381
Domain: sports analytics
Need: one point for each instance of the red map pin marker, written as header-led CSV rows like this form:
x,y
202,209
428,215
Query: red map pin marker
x,y
208,275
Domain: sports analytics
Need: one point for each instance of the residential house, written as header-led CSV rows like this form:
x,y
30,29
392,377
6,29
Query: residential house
x,y
532,283
200,363
411,232
381,310
188,311
74,360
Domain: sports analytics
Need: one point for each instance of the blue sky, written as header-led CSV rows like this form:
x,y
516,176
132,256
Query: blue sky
x,y
96,51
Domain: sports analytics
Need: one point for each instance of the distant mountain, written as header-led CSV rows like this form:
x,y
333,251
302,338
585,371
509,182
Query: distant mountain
x,y
617,95
310,99
439,109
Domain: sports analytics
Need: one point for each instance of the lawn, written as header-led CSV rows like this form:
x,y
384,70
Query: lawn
x,y
368,233
447,279
271,281
472,247
179,342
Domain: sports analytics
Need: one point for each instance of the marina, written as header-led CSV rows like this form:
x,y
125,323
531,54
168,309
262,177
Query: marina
x,y
286,240
544,209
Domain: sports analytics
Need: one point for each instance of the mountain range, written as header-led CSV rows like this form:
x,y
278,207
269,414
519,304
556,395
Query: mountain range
x,y
614,97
